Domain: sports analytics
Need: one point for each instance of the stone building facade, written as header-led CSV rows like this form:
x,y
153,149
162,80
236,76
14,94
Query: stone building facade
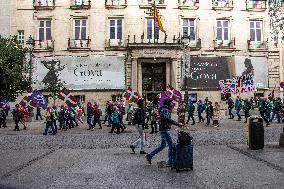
x,y
115,28
5,17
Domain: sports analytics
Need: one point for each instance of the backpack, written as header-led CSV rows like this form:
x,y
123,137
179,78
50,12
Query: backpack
x,y
115,117
184,138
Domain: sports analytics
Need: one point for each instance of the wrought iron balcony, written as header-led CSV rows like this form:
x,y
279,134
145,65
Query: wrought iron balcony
x,y
257,45
79,44
222,4
80,4
109,4
188,4
115,43
159,4
224,44
44,45
255,5
44,4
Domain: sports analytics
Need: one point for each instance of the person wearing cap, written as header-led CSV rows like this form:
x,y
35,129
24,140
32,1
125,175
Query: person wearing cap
x,y
164,128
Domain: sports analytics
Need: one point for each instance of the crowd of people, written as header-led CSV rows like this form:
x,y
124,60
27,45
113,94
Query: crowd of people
x,y
68,117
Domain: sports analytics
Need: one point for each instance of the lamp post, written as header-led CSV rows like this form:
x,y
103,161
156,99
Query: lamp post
x,y
31,44
185,39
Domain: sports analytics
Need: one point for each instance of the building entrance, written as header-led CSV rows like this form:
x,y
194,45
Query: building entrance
x,y
153,79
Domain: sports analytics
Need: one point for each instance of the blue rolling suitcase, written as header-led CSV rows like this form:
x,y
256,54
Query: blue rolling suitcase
x,y
183,157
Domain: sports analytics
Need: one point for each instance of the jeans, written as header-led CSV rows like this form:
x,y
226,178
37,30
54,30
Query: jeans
x,y
89,121
208,117
165,139
277,115
140,142
17,127
49,124
200,116
238,114
190,116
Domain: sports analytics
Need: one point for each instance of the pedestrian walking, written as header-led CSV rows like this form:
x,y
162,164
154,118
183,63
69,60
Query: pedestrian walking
x,y
139,123
181,113
230,108
209,112
38,113
3,117
154,120
216,114
277,108
190,108
238,107
115,120
97,116
90,113
164,129
49,116
263,109
247,106
17,117
200,109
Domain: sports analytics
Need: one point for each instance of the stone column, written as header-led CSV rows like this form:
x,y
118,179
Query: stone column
x,y
174,73
139,76
168,73
134,75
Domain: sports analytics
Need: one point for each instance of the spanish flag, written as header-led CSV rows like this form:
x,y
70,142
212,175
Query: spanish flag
x,y
159,21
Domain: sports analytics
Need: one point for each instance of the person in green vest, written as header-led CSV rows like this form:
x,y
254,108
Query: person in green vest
x,y
269,104
238,107
190,108
247,107
262,110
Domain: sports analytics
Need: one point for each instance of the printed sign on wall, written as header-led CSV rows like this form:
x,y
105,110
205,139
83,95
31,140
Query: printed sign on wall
x,y
206,72
256,66
94,72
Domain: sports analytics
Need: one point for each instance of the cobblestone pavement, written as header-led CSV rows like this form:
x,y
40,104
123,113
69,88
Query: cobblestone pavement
x,y
218,166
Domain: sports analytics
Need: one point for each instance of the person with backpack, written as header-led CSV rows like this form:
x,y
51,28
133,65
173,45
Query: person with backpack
x,y
17,117
164,128
246,108
97,116
115,120
230,108
90,113
238,107
190,108
49,116
276,110
200,109
263,109
139,123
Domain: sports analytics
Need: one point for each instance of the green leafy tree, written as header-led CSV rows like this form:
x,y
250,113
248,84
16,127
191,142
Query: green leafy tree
x,y
54,87
13,74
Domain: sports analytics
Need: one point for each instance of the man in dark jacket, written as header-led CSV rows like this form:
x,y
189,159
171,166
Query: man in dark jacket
x,y
17,117
164,128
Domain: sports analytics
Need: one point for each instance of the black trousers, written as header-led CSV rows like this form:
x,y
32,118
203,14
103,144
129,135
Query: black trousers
x,y
231,114
262,114
97,121
190,116
246,114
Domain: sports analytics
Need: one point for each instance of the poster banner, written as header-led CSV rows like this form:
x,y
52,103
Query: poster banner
x,y
79,73
237,85
206,72
255,66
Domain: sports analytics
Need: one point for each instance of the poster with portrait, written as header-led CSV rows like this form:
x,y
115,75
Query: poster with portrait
x,y
255,66
79,73
206,72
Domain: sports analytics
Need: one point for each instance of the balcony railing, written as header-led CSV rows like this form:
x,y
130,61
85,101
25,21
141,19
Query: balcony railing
x,y
255,5
188,4
44,4
115,43
44,45
79,44
159,4
115,4
80,4
174,41
224,44
222,4
257,46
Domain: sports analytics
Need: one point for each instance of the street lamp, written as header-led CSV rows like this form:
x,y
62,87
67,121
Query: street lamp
x,y
185,39
31,44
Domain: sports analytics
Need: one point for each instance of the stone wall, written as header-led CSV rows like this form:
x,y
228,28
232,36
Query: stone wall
x,y
5,17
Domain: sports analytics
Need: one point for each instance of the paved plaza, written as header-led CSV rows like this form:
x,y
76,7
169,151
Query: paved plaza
x,y
79,158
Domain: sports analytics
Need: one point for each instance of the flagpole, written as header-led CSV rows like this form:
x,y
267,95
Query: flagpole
x,y
154,21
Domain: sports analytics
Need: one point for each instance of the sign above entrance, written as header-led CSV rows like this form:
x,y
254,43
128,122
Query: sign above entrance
x,y
157,53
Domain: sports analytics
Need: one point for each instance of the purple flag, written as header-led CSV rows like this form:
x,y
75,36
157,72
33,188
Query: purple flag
x,y
4,104
38,98
164,96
